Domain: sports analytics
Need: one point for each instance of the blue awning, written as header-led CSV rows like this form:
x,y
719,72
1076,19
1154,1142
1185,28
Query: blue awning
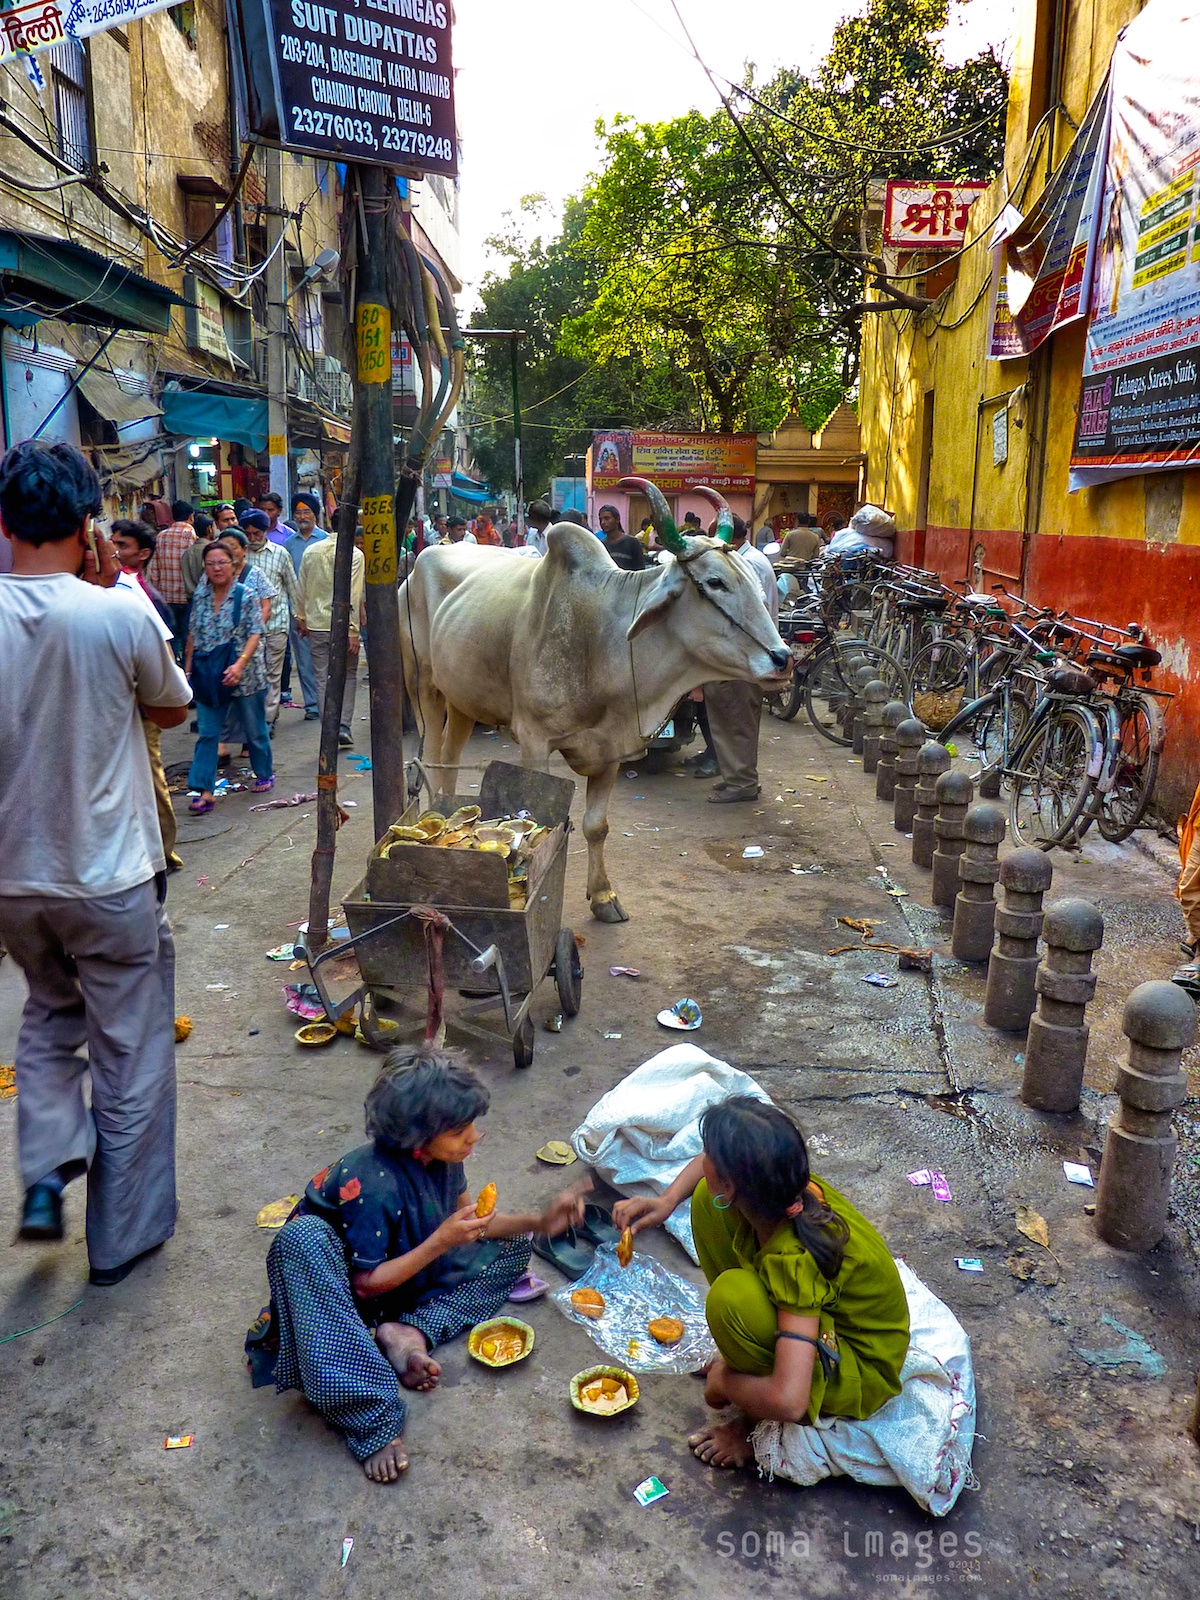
x,y
45,277
198,415
469,489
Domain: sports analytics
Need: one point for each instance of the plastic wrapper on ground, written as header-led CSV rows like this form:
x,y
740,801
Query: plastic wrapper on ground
x,y
633,1296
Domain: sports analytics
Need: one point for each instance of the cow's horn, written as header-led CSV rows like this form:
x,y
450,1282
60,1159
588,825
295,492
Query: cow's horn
x,y
660,513
724,514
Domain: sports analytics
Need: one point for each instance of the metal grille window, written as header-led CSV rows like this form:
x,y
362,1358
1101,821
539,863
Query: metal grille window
x,y
73,136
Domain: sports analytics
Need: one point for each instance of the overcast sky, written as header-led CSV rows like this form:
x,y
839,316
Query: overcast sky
x,y
534,75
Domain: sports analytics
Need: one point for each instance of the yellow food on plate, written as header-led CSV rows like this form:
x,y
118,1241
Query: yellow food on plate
x,y
502,1346
667,1330
605,1395
589,1302
625,1247
486,1203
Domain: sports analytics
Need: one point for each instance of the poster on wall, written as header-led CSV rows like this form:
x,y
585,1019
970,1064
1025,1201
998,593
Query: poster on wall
x,y
1045,271
1139,403
676,461
928,215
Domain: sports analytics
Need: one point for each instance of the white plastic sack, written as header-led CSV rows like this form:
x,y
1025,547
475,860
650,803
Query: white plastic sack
x,y
921,1440
645,1130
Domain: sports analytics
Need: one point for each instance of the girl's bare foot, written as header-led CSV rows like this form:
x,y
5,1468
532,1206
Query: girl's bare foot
x,y
386,1465
405,1348
724,1444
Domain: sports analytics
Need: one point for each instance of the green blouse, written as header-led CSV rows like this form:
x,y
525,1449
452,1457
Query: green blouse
x,y
864,1307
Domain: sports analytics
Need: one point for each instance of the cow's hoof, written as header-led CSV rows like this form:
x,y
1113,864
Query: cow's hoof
x,y
609,910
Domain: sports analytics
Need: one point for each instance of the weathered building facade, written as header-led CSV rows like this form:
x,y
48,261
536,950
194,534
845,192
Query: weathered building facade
x,y
972,454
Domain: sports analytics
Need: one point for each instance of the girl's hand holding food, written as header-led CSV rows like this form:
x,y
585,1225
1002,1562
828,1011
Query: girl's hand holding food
x,y
642,1211
461,1227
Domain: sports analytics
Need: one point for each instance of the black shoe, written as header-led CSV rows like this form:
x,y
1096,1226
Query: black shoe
x,y
106,1277
345,740
707,768
41,1215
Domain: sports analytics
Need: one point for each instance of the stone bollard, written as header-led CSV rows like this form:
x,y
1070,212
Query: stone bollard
x,y
910,736
932,760
863,677
1135,1175
894,713
954,791
984,827
1056,1051
874,699
1012,970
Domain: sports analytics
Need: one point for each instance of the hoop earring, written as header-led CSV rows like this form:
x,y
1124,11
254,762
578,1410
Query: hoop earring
x,y
722,1202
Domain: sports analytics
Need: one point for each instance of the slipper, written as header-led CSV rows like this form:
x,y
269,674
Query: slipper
x,y
262,786
528,1287
199,808
598,1226
565,1251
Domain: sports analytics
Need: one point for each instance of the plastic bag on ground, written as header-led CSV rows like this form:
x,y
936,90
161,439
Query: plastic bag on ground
x,y
921,1440
645,1130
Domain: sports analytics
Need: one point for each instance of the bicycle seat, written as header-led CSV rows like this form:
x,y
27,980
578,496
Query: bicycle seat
x,y
934,604
1138,655
1066,680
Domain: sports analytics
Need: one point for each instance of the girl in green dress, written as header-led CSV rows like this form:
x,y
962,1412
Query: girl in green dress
x,y
805,1303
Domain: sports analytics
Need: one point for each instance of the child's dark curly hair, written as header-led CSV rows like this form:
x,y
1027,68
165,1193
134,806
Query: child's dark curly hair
x,y
421,1093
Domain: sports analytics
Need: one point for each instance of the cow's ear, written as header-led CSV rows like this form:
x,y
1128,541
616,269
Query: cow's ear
x,y
659,601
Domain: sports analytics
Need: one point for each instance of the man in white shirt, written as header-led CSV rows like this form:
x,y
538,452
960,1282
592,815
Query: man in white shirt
x,y
275,564
82,873
735,709
314,616
538,518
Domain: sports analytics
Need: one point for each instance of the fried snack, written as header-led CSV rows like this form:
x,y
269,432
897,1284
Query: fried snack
x,y
625,1247
486,1203
667,1330
183,1027
588,1302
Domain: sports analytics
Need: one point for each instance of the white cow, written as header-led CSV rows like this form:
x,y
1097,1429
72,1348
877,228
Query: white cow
x,y
575,655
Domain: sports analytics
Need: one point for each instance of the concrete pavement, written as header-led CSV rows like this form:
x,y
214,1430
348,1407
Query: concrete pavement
x,y
1088,1480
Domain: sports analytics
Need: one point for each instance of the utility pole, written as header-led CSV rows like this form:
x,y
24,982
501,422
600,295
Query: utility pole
x,y
277,313
514,337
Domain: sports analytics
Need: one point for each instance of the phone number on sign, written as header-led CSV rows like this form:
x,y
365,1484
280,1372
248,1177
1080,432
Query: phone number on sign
x,y
362,131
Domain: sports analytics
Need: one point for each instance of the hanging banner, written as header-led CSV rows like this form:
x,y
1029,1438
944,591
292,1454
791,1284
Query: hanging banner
x,y
927,215
1046,268
26,30
1139,406
676,461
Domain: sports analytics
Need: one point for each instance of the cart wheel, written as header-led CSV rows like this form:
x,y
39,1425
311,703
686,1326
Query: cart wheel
x,y
568,972
523,1044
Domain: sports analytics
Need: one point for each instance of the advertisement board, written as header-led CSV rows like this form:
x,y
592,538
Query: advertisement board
x,y
1046,269
28,29
927,215
370,82
1139,404
676,461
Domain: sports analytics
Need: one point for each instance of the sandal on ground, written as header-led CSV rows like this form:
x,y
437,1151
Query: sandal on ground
x,y
200,808
598,1226
567,1251
527,1287
262,785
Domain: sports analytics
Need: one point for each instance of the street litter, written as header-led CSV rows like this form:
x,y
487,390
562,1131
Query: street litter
x,y
554,1024
183,1029
1136,1352
684,1015
220,927
216,986
302,1000
881,980
276,1213
347,1546
915,961
1076,1173
898,894
611,1035
752,852
941,1189
282,952
968,1263
179,1441
8,1083
557,1153
350,804
921,1178
1033,1226
282,805
624,972
811,777
200,882
650,1490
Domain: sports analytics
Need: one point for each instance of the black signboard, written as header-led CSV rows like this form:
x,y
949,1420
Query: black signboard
x,y
352,80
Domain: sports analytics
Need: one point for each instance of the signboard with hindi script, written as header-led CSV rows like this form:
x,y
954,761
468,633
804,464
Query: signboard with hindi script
x,y
676,461
927,215
350,81
28,29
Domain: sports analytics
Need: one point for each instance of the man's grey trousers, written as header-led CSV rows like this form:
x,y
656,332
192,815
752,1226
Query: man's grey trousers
x,y
101,972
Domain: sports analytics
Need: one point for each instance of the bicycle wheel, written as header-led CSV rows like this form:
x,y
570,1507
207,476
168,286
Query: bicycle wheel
x,y
940,666
988,731
786,703
830,681
1053,775
1123,807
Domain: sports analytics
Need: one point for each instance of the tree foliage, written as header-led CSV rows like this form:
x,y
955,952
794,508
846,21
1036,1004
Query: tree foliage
x,y
710,275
